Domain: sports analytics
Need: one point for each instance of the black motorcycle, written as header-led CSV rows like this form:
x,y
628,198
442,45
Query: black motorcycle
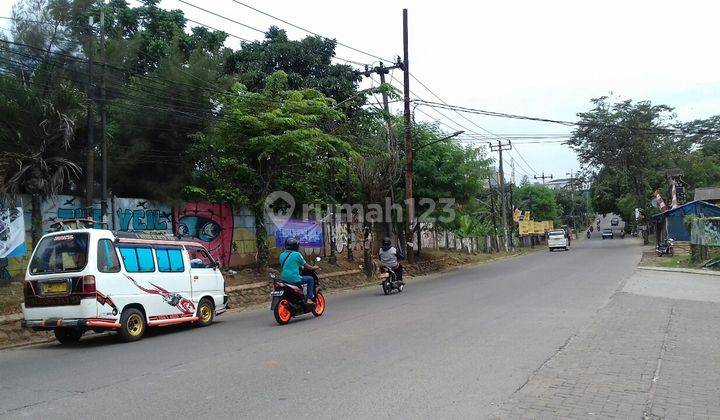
x,y
588,234
288,300
391,281
666,247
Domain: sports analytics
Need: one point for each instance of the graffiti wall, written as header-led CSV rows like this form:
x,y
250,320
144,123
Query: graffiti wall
x,y
211,224
705,231
136,214
63,207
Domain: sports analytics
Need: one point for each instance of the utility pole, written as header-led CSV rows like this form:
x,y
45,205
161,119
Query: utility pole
x,y
382,71
409,200
500,147
544,177
572,198
103,125
89,152
512,170
492,209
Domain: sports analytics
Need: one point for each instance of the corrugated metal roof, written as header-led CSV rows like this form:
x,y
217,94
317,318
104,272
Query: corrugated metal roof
x,y
707,193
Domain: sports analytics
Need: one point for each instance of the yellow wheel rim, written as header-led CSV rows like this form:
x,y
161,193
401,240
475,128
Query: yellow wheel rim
x,y
135,325
205,313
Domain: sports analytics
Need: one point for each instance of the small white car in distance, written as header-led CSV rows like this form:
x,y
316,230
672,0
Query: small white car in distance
x,y
557,239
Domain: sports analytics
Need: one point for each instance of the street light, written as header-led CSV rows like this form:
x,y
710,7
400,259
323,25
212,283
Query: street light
x,y
455,134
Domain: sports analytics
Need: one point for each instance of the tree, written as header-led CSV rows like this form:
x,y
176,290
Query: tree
x,y
36,132
539,200
633,140
307,64
270,141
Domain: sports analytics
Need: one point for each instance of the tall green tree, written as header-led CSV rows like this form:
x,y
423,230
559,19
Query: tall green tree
x,y
37,130
277,140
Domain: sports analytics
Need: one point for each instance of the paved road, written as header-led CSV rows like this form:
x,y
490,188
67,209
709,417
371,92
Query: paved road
x,y
454,345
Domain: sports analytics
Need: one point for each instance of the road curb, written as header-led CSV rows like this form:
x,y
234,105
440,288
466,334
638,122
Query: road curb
x,y
681,270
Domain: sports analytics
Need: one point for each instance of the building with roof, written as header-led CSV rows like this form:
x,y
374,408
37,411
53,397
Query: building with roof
x,y
671,223
708,194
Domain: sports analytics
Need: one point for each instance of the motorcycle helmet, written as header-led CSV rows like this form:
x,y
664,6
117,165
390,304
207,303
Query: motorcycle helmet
x,y
292,244
386,241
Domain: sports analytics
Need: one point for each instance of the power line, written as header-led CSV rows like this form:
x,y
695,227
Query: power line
x,y
309,31
247,26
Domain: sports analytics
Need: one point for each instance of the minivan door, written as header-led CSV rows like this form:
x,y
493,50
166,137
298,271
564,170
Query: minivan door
x,y
203,272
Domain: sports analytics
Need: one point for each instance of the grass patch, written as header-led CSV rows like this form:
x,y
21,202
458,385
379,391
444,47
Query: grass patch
x,y
677,261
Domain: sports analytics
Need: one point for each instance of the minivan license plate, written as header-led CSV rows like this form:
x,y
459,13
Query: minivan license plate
x,y
56,287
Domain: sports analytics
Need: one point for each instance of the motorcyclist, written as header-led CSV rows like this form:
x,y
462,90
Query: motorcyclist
x,y
291,264
389,257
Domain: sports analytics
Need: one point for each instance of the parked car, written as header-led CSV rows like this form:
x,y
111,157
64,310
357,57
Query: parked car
x,y
557,239
607,233
95,279
614,221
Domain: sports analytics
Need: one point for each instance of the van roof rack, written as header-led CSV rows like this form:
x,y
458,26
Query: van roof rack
x,y
153,238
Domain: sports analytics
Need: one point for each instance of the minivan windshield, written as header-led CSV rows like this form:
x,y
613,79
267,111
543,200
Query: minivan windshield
x,y
557,233
64,253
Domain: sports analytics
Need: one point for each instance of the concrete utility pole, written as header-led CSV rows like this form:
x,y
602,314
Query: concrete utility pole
x,y
89,152
103,124
500,147
572,197
544,177
409,200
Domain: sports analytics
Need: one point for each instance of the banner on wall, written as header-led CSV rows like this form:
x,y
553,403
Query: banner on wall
x,y
309,233
12,233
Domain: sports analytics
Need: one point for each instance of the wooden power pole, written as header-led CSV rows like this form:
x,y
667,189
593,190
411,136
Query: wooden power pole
x,y
89,152
500,147
409,200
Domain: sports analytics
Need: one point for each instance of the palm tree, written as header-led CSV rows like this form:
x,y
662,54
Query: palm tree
x,y
36,134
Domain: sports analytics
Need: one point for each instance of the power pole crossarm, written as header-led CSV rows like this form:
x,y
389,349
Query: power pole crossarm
x,y
544,177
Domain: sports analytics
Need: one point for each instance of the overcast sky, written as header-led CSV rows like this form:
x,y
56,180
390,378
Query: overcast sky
x,y
546,58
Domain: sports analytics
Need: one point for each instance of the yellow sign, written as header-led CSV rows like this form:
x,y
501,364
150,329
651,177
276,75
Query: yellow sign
x,y
526,227
516,215
539,227
547,225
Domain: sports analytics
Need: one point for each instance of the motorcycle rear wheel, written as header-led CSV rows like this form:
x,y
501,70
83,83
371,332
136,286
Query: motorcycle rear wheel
x,y
386,287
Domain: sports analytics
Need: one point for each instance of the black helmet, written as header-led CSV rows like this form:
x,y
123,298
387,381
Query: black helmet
x,y
386,241
292,244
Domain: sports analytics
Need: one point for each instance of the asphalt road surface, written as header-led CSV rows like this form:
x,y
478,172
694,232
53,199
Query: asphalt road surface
x,y
455,344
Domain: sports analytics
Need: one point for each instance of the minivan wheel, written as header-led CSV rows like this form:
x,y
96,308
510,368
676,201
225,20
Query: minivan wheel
x,y
68,335
132,325
205,313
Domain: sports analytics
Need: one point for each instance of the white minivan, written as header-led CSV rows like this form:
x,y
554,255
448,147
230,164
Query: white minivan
x,y
557,239
96,279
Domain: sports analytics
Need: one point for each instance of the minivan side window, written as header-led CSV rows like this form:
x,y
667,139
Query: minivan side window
x,y
107,259
170,260
199,258
137,259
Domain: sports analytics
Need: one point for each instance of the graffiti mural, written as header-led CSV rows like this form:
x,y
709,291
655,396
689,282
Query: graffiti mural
x,y
63,207
133,214
211,224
